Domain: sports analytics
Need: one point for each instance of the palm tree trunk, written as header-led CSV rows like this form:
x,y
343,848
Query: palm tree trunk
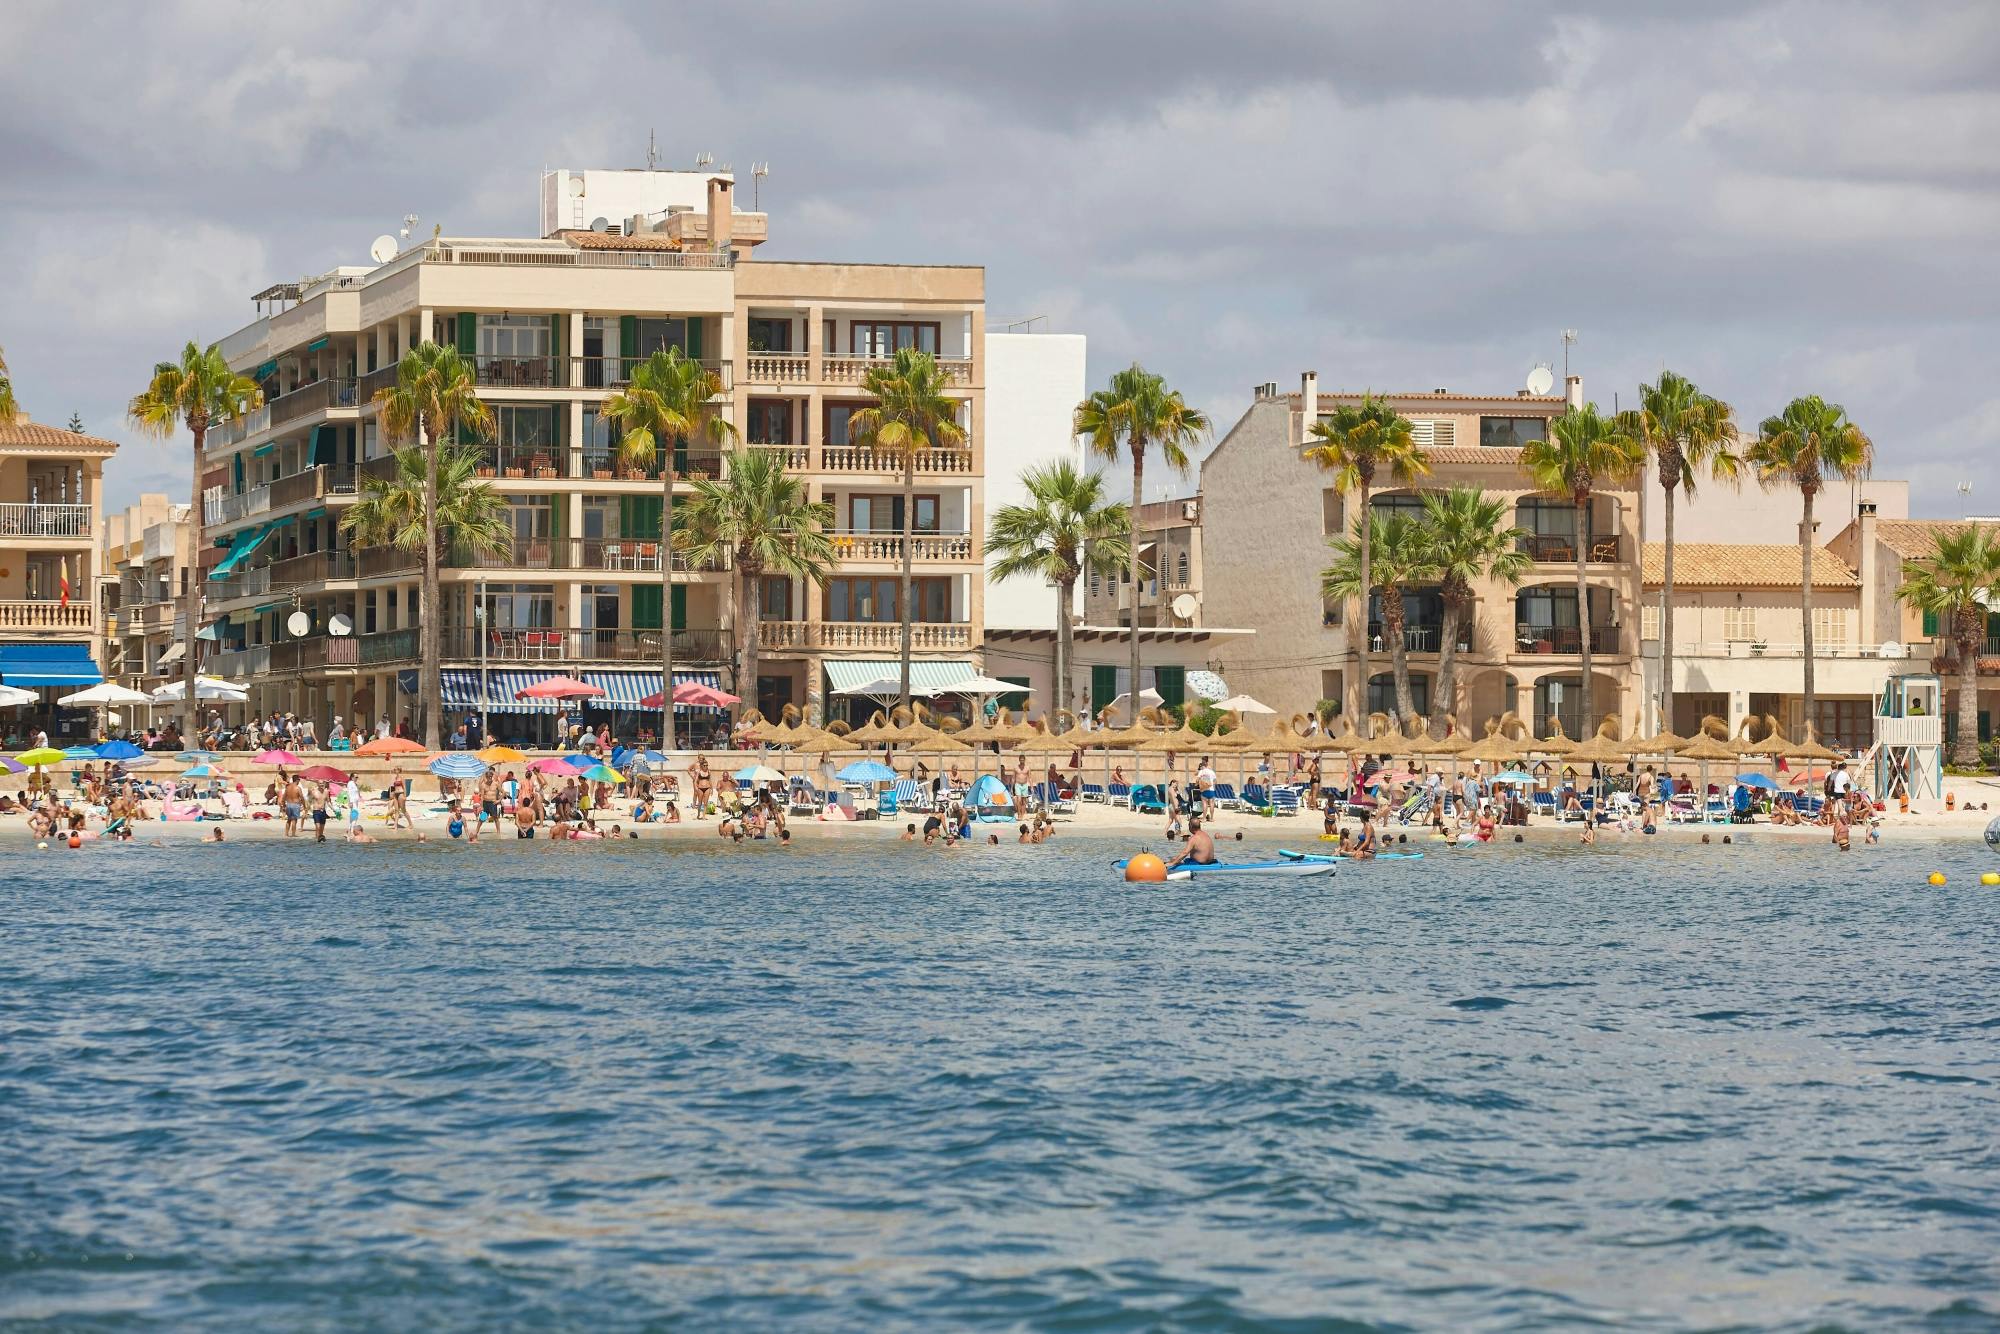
x,y
429,614
1447,691
191,601
903,607
1667,622
1360,625
1971,638
1138,490
1065,593
1805,598
667,604
1588,716
1393,622
749,612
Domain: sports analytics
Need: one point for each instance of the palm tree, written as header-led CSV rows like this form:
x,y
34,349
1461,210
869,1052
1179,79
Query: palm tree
x,y
669,400
436,393
472,518
1584,450
1470,540
1355,444
1801,445
911,413
1690,433
761,518
1067,527
10,407
198,391
1954,584
1134,413
1400,554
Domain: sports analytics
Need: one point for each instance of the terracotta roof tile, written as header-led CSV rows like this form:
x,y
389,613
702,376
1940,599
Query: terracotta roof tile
x,y
1912,537
26,433
1742,565
606,241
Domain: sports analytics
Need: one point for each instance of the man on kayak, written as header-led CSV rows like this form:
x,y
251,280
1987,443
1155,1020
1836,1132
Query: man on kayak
x,y
1200,849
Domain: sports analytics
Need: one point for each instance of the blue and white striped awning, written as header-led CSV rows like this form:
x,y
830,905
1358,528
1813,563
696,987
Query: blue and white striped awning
x,y
623,689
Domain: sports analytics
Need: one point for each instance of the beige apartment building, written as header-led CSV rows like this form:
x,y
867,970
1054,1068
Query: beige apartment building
x,y
50,482
147,556
1267,512
1169,536
553,324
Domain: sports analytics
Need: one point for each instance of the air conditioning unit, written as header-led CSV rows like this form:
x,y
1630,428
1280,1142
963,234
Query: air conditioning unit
x,y
1191,510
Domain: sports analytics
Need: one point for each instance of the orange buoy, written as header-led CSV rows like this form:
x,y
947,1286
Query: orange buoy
x,y
75,839
1146,869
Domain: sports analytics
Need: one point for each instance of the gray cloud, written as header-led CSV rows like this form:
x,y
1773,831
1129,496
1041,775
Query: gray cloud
x,y
1774,197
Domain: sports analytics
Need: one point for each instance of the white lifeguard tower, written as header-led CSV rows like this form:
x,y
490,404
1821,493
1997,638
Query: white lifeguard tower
x,y
1909,741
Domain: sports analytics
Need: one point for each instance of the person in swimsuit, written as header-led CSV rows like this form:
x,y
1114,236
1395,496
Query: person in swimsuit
x,y
1364,845
1200,849
1484,827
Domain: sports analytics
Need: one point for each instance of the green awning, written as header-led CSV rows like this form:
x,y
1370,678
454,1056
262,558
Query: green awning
x,y
265,371
315,513
240,548
925,673
317,343
262,450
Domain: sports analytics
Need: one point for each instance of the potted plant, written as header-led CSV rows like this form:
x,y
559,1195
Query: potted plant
x,y
513,470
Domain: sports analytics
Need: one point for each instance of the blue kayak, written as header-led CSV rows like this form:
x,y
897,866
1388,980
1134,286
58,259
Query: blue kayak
x,y
1289,855
1287,867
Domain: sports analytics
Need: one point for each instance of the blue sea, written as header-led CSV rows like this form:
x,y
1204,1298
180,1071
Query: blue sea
x,y
865,1085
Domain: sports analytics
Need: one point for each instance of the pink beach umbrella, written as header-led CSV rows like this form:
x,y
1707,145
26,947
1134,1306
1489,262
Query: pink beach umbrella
x,y
284,757
559,687
695,695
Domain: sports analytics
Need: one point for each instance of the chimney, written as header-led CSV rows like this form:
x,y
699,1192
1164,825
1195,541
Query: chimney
x,y
1573,390
1864,564
1308,404
721,214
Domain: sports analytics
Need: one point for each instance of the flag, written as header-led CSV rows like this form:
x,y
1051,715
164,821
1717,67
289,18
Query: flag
x,y
65,580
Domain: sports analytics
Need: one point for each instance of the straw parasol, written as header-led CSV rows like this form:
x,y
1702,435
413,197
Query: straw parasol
x,y
823,743
1705,748
1555,743
872,733
1493,748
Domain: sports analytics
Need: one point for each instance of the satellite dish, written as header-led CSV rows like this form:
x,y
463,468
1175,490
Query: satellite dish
x,y
576,185
384,249
299,624
1185,606
600,224
1889,649
339,625
1541,380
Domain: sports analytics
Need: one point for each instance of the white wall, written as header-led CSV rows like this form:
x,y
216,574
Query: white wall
x,y
1749,513
616,195
1033,384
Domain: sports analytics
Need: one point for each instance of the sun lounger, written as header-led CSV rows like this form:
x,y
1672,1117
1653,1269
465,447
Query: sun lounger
x,y
910,795
1148,800
1255,797
1224,795
1092,792
1120,794
1284,801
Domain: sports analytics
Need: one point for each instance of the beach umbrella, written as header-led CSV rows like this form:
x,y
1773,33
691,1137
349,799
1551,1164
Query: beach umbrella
x,y
1513,776
389,745
459,765
203,771
559,687
944,743
323,773
867,771
871,733
80,753
551,764
42,756
693,694
760,773
105,692
12,766
284,757
119,749
1148,699
1242,704
1493,749
205,687
141,761
604,773
13,697
502,755
633,758
1555,743
824,743
1763,781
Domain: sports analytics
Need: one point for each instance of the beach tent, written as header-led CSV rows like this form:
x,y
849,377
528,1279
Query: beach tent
x,y
989,799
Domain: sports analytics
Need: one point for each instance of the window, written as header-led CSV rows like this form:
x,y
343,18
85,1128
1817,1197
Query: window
x,y
1096,583
1739,624
884,514
1382,693
1332,686
599,604
1181,569
838,416
516,606
529,516
1511,432
1330,611
1649,621
530,426
881,338
850,598
514,336
776,592
1829,630
770,422
600,518
656,334
601,435
1846,723
1433,434
1332,513
769,334
1407,504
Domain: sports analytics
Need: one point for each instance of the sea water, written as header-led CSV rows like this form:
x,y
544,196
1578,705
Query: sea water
x,y
862,1084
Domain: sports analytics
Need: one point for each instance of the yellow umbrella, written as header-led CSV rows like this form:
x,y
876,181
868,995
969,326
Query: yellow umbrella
x,y
502,755
40,757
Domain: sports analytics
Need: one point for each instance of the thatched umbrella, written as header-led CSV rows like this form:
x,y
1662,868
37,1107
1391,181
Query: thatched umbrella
x,y
1702,750
1555,743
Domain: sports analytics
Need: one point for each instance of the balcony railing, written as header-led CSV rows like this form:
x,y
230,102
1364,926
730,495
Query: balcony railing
x,y
611,554
45,521
851,369
241,664
250,583
511,647
1418,638
337,392
1560,549
373,562
1564,639
778,367
925,635
794,458
502,462
544,373
387,646
314,483
292,655
853,458
889,546
543,255
47,615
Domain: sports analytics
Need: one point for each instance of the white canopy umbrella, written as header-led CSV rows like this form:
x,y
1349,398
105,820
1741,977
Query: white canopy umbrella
x,y
1242,704
12,697
109,692
1149,698
205,687
886,688
980,686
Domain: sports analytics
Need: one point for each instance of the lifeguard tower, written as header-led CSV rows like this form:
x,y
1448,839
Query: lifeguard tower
x,y
1909,741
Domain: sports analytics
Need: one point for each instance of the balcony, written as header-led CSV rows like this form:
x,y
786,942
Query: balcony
x,y
241,664
559,254
853,458
544,373
1563,640
49,615
925,636
1560,549
852,369
778,368
315,483
1418,638
45,521
793,458
924,547
607,554
307,399
512,647
146,618
515,463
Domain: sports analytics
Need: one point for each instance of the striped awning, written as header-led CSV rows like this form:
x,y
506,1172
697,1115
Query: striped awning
x,y
623,689
925,673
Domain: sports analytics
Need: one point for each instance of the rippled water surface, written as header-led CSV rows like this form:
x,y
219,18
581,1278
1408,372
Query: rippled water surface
x,y
870,1086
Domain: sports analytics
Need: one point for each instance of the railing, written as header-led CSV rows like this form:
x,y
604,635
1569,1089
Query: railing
x,y
851,369
547,462
1923,730
635,555
1559,549
544,372
224,434
292,655
335,392
387,646
1761,648
853,458
511,647
234,509
250,583
889,546
1418,638
373,383
793,458
145,618
1564,639
241,664
314,567
382,469
925,635
560,255
371,562
778,367
50,615
312,484
18,520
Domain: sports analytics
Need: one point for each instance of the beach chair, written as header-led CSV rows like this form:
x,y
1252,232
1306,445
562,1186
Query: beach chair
x,y
1092,792
1284,801
1225,796
1120,794
1147,799
1742,808
911,795
805,799
1060,801
1255,797
1544,803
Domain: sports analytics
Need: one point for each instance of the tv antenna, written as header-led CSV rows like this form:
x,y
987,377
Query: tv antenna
x,y
652,152
1569,337
758,171
409,221
703,161
1964,496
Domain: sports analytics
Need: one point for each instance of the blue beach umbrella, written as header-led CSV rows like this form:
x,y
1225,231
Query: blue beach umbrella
x,y
120,749
199,756
202,771
1764,781
580,761
637,759
866,771
458,766
1513,776
81,753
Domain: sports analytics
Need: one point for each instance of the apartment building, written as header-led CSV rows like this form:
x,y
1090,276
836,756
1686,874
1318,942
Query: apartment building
x,y
553,324
147,557
49,630
1267,512
1168,534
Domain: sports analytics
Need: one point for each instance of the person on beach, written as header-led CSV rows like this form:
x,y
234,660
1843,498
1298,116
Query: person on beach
x,y
294,800
320,801
1365,843
1200,849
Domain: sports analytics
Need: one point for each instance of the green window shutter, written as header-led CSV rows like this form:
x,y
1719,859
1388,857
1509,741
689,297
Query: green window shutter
x,y
1018,699
694,327
1171,682
1103,687
558,328
322,445
680,607
645,606
559,518
239,487
468,334
1985,727
628,336
1930,622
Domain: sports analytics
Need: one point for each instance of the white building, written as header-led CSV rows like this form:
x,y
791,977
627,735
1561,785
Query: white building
x,y
1033,383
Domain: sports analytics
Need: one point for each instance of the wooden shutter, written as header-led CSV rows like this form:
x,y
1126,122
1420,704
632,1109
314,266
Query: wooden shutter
x,y
1103,687
468,334
1930,623
694,338
1171,682
680,606
646,606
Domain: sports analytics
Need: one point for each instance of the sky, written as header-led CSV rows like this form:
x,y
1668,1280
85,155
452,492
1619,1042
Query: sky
x,y
1772,198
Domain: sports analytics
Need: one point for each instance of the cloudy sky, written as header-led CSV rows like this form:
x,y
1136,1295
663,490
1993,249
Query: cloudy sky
x,y
1773,198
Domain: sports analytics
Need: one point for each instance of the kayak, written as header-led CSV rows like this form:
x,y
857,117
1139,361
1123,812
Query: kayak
x,y
1288,867
1309,857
